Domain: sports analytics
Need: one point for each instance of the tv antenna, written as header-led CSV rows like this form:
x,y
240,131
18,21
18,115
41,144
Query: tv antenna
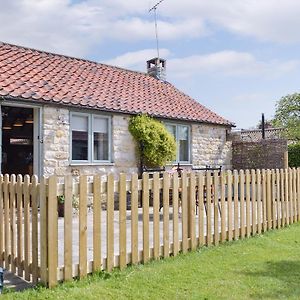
x,y
154,8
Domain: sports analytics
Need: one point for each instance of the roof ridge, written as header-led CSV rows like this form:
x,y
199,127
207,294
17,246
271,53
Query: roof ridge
x,y
72,57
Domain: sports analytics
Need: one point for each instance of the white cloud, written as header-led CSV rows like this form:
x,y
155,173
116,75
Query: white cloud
x,y
223,63
230,63
74,28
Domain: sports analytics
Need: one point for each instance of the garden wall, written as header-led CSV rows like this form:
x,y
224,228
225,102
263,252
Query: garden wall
x,y
264,154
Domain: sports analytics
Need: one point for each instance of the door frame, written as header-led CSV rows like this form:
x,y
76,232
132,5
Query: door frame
x,y
37,134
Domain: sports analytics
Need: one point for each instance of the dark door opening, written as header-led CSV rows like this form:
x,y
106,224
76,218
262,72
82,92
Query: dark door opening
x,y
17,140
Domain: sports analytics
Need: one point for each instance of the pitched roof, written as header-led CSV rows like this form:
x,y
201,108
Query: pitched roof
x,y
39,76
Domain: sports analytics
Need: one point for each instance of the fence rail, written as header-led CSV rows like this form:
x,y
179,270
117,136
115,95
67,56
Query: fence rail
x,y
129,220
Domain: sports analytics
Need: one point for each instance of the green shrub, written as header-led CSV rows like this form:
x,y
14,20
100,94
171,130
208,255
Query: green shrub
x,y
155,144
294,155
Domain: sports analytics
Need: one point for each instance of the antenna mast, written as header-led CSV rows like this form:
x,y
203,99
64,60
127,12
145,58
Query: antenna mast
x,y
154,8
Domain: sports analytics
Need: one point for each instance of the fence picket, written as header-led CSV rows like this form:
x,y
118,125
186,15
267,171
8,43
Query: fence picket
x,y
110,223
282,198
175,214
291,196
68,228
216,207
295,194
145,200
259,202
242,204
264,199
201,208
134,219
287,196
191,208
253,201
208,208
6,221
184,212
224,217
43,230
278,203
34,221
13,233
273,199
248,212
52,232
19,225
269,200
229,204
27,231
236,204
83,226
122,221
166,197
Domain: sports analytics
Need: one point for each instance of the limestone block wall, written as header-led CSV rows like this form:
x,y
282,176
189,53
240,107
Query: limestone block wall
x,y
210,146
56,146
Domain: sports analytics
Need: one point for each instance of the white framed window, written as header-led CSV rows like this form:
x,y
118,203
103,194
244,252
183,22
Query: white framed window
x,y
90,138
181,134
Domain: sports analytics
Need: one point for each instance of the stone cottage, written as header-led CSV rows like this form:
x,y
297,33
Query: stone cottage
x,y
64,115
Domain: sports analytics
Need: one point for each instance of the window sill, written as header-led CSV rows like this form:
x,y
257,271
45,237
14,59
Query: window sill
x,y
75,164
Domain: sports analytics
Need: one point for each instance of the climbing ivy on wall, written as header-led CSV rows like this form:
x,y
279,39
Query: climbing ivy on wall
x,y
156,145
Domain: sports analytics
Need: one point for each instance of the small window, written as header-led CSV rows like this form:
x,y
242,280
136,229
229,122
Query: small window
x,y
181,134
90,136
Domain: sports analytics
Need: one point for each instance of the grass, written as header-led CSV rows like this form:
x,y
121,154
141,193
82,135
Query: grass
x,y
266,266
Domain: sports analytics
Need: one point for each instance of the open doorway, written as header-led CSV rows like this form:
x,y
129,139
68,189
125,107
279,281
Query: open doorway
x,y
17,140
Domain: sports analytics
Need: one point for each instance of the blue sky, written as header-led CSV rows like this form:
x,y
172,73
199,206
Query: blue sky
x,y
237,57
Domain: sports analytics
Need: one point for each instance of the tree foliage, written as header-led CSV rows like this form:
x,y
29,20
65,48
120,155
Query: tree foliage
x,y
287,115
294,155
155,144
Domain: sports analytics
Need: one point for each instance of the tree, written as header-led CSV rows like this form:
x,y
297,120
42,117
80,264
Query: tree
x,y
155,144
287,115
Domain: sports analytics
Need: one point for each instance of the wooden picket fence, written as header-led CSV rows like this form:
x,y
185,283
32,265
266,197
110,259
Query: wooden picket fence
x,y
119,222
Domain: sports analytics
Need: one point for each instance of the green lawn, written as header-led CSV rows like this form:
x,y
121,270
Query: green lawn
x,y
266,266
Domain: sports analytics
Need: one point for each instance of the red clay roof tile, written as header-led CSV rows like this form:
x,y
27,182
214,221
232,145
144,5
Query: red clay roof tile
x,y
40,76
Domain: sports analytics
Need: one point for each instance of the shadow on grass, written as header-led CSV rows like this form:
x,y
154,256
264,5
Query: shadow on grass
x,y
286,273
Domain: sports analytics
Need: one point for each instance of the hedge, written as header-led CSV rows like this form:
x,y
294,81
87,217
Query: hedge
x,y
294,155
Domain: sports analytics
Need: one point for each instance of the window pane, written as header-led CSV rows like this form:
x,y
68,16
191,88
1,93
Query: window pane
x,y
79,145
172,129
101,140
100,125
79,123
100,146
79,126
183,139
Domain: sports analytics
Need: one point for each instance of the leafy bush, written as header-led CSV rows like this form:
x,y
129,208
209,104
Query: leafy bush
x,y
294,155
155,144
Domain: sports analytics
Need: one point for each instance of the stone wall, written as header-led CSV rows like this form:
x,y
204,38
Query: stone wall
x,y
56,146
265,154
210,146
